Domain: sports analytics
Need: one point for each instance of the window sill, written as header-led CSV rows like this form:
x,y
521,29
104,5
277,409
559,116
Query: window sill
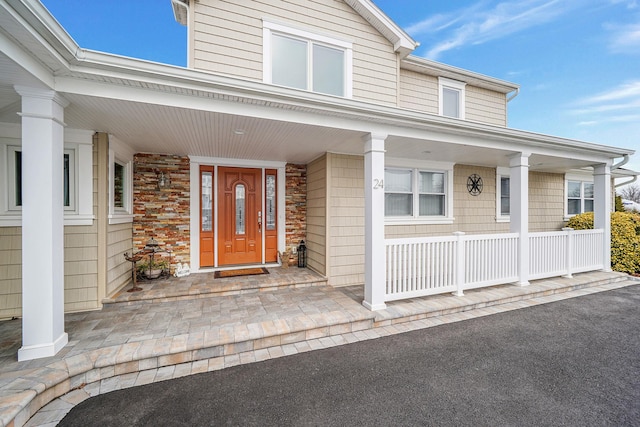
x,y
503,219
418,221
120,218
16,220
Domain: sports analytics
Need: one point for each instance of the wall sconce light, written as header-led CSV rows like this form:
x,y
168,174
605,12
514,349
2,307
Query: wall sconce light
x,y
163,180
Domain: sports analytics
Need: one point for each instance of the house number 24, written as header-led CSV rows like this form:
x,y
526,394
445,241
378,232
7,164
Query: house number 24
x,y
378,184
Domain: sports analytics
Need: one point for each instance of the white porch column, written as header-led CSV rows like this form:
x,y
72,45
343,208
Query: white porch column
x,y
42,223
602,208
374,252
519,211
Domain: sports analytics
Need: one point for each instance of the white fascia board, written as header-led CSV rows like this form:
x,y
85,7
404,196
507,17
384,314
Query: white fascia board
x,y
38,21
438,69
402,42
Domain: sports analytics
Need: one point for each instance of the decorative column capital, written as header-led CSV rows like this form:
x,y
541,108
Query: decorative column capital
x,y
374,142
519,159
45,94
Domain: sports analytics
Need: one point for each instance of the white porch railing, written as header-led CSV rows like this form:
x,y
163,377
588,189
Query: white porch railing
x,y
562,253
433,265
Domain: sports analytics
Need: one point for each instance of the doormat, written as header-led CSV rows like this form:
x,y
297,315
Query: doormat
x,y
240,272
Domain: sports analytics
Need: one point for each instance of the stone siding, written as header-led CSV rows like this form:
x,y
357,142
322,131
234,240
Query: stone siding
x,y
162,213
295,207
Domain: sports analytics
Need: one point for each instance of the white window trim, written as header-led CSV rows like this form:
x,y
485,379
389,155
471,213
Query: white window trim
x,y
424,166
120,153
501,172
270,27
77,143
579,177
455,85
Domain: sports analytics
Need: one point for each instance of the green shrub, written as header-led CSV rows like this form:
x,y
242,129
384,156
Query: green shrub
x,y
619,205
625,238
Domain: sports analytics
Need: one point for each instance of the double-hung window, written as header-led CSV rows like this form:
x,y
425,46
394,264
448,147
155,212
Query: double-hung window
x,y
579,197
303,60
451,98
76,180
416,194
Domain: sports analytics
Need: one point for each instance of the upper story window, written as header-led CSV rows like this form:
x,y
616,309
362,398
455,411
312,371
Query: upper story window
x,y
418,194
303,60
451,98
503,194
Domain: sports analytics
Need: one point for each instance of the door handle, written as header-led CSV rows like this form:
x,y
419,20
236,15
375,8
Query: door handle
x,y
259,221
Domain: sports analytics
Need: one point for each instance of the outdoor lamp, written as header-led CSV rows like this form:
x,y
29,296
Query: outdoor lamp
x,y
163,180
302,255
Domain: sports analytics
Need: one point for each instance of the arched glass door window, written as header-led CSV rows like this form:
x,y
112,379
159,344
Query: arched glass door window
x,y
240,209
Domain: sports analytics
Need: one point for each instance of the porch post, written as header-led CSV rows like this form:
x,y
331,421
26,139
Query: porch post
x,y
374,251
519,211
602,209
43,332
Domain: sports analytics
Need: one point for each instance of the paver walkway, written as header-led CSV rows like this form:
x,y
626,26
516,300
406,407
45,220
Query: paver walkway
x,y
138,342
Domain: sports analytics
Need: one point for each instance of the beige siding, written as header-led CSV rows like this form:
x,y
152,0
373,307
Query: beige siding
x,y
81,259
418,92
120,240
485,106
10,272
546,201
228,40
317,215
473,214
80,266
346,220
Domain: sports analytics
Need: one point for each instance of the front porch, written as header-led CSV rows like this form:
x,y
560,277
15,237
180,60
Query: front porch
x,y
137,342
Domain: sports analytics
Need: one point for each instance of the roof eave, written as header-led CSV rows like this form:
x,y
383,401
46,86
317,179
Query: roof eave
x,y
101,64
437,69
402,42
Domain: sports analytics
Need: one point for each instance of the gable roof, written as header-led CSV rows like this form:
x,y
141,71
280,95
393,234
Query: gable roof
x,y
402,43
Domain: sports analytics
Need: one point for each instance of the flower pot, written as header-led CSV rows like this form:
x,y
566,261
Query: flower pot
x,y
153,273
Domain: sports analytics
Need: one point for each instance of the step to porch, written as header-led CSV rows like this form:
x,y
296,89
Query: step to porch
x,y
439,305
205,285
288,321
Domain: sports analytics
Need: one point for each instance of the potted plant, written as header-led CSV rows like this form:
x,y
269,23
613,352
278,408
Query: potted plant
x,y
153,268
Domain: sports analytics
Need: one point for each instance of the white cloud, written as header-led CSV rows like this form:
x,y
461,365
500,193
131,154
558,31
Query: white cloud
x,y
481,22
624,38
620,104
623,91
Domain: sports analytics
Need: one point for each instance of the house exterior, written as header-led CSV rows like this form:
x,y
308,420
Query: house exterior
x,y
294,120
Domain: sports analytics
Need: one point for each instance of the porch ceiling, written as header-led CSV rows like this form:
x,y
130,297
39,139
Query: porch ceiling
x,y
172,130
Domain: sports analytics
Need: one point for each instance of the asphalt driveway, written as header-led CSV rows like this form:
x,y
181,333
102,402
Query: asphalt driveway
x,y
575,362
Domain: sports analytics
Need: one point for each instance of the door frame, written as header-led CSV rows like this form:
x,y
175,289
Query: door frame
x,y
194,224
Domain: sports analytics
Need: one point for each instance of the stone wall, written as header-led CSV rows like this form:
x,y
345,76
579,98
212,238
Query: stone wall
x,y
162,213
295,207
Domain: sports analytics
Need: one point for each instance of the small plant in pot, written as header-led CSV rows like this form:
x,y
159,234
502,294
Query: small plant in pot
x,y
153,268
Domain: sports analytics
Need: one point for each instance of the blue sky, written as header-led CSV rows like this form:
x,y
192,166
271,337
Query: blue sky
x,y
577,61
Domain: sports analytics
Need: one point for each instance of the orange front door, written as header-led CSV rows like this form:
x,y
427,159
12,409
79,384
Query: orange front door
x,y
239,216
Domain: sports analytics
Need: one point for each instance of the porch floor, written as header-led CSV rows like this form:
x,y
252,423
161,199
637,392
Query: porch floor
x,y
166,335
